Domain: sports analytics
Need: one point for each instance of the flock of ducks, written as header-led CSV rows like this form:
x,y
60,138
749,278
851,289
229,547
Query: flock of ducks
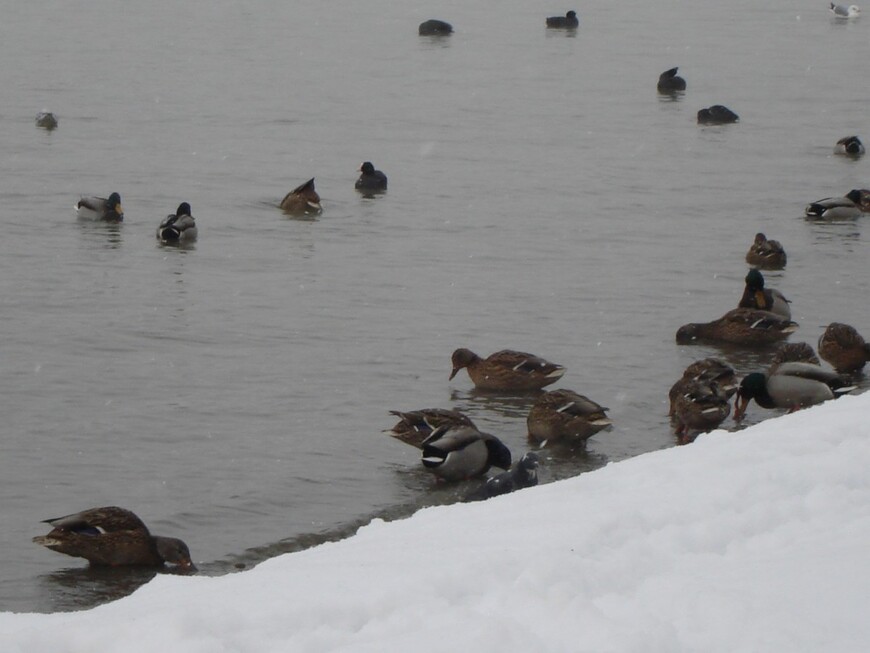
x,y
452,448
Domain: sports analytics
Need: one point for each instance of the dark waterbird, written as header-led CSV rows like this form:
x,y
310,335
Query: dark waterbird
x,y
766,254
434,27
670,82
717,115
568,21
370,180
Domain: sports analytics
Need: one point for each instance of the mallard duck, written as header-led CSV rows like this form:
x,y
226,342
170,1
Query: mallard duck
x,y
843,12
699,406
523,474
844,348
791,386
101,208
670,82
740,326
179,227
506,370
766,254
850,146
565,415
371,180
47,120
434,27
717,115
863,199
113,537
836,208
302,200
415,426
568,21
462,452
793,352
706,370
756,296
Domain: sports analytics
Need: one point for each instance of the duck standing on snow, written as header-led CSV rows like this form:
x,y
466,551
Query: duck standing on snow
x,y
850,145
100,208
843,347
836,208
756,296
462,452
302,200
506,370
670,82
791,386
179,227
113,537
766,254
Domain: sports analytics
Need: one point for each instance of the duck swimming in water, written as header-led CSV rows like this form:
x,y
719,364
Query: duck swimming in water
x,y
178,227
100,208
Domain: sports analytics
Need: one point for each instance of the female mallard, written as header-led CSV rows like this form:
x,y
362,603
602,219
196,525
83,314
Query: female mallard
x,y
850,146
506,370
302,200
791,386
565,415
741,326
670,82
434,27
461,452
766,254
706,370
699,406
717,115
415,426
756,296
836,208
370,180
793,352
179,227
113,537
100,208
568,21
844,348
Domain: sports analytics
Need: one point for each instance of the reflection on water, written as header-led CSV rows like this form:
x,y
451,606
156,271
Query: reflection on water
x,y
101,231
87,587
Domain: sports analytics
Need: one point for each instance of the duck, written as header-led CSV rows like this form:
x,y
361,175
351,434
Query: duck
x,y
766,254
850,145
699,406
844,12
717,115
563,415
791,385
178,227
523,474
756,296
670,82
506,370
739,326
434,27
568,21
100,208
415,426
836,208
370,180
843,347
863,199
706,370
302,200
793,352
457,453
46,120
113,537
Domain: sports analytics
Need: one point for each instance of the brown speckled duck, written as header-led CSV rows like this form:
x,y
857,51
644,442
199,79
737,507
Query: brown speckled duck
x,y
113,537
699,406
766,254
706,370
741,326
415,426
562,415
844,348
793,352
507,370
302,200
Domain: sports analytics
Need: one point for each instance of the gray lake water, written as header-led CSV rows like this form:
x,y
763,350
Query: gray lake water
x,y
542,197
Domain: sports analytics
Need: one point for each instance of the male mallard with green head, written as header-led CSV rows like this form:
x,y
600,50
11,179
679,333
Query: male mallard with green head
x,y
461,452
100,208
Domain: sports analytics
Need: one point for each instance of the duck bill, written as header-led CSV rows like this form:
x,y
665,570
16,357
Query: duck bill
x,y
740,405
453,373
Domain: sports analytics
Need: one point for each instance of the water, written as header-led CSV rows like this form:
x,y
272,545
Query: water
x,y
542,197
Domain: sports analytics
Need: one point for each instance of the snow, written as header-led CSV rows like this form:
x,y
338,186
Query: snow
x,y
748,541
